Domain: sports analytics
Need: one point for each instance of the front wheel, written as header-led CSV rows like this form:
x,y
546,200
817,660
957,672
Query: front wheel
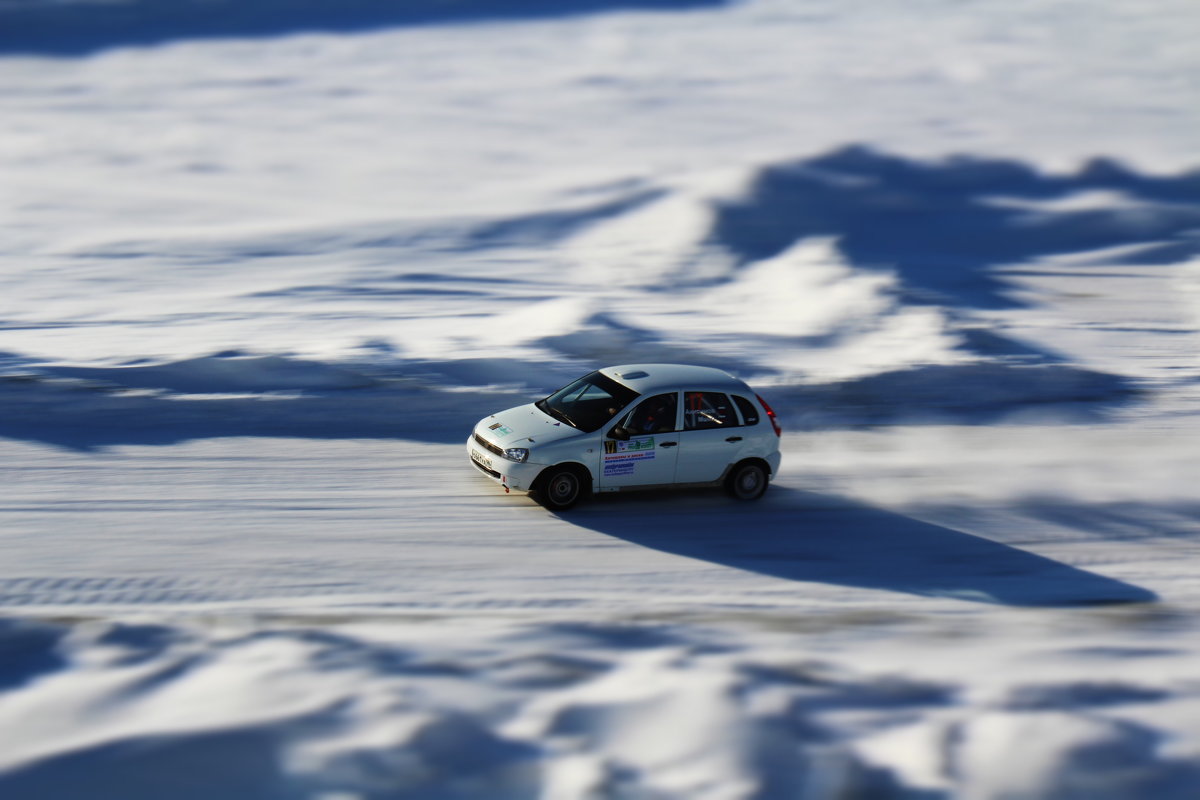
x,y
747,481
560,488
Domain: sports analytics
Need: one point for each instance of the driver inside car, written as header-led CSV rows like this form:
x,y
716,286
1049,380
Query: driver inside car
x,y
656,415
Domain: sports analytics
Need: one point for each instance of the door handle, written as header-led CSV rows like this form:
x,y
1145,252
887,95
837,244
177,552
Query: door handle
x,y
734,439
667,444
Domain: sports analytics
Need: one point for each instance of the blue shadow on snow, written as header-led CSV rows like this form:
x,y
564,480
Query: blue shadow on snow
x,y
28,650
81,27
801,537
99,420
943,226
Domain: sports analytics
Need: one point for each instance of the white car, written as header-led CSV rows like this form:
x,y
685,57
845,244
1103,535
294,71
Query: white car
x,y
636,426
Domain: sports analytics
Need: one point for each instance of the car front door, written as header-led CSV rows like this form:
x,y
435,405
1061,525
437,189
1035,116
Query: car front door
x,y
711,439
642,448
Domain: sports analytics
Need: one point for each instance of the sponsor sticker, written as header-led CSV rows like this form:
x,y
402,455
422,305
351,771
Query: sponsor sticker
x,y
622,458
612,468
500,430
639,444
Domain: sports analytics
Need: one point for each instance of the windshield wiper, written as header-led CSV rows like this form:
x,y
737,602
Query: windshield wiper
x,y
554,412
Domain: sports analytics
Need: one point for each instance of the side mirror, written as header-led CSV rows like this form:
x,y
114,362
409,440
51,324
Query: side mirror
x,y
619,433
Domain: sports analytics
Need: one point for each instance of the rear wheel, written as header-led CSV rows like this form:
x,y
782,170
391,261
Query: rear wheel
x,y
747,481
559,488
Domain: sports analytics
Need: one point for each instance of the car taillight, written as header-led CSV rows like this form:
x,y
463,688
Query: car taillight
x,y
770,415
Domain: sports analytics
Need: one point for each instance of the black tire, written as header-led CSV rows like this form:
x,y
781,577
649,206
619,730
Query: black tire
x,y
747,481
559,488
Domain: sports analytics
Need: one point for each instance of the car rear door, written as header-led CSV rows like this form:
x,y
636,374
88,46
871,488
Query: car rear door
x,y
712,437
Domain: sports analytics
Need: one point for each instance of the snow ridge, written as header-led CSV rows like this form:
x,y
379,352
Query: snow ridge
x,y
554,711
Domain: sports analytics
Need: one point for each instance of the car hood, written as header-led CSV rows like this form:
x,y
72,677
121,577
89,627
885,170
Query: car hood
x,y
523,426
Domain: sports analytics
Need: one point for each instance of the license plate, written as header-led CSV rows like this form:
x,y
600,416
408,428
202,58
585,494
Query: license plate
x,y
482,459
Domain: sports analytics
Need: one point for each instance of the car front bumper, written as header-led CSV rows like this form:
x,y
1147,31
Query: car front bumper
x,y
509,474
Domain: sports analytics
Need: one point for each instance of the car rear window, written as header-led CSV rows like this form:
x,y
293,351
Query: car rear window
x,y
748,409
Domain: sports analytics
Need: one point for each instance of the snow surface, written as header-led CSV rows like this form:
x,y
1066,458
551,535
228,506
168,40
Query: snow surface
x,y
264,263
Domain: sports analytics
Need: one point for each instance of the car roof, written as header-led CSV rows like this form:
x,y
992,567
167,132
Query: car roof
x,y
645,378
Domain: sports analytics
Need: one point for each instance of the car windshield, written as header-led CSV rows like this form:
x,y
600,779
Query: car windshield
x,y
589,402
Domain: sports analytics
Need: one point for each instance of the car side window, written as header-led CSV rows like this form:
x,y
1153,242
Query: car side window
x,y
702,410
748,409
653,415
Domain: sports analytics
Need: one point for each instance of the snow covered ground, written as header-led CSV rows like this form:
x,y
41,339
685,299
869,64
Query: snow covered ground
x,y
264,264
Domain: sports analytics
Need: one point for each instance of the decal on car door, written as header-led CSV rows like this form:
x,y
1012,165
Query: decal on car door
x,y
621,458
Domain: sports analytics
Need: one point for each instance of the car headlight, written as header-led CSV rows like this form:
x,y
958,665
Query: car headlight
x,y
518,454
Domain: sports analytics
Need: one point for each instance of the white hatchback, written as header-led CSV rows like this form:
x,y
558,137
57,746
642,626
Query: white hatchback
x,y
636,426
